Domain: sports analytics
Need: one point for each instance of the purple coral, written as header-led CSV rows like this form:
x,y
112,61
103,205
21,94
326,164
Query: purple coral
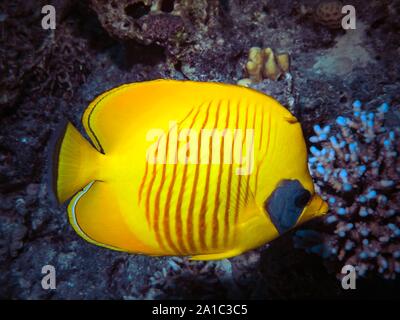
x,y
356,166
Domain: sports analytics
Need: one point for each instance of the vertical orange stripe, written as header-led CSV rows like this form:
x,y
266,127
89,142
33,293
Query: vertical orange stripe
x,y
229,185
249,157
227,207
217,200
203,209
189,221
262,127
258,171
269,132
187,116
266,150
156,225
150,186
143,182
166,213
178,217
240,176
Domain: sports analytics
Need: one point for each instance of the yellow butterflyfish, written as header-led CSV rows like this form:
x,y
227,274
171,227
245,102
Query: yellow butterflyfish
x,y
206,170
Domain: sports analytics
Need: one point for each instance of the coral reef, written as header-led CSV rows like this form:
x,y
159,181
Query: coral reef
x,y
358,170
65,61
167,23
194,279
325,13
19,50
71,65
265,64
233,278
37,60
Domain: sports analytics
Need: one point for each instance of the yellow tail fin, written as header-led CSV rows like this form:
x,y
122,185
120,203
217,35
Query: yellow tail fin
x,y
76,164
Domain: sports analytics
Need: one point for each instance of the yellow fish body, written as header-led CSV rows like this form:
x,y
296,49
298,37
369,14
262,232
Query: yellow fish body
x,y
205,170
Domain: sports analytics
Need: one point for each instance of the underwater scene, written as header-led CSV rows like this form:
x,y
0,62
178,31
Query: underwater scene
x,y
199,149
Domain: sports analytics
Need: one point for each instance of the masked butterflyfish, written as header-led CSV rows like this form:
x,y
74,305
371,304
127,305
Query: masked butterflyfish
x,y
206,170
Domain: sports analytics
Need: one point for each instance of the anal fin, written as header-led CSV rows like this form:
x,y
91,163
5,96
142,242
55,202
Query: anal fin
x,y
217,256
96,216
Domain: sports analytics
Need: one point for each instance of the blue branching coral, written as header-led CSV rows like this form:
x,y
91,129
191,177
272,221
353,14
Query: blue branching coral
x,y
356,165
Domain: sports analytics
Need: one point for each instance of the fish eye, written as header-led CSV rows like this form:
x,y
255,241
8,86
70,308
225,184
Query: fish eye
x,y
302,198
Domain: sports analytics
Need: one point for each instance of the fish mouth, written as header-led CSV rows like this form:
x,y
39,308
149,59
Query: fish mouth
x,y
321,205
316,207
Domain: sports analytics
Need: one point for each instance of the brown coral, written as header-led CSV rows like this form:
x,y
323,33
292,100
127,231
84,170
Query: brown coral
x,y
329,14
163,22
255,64
265,64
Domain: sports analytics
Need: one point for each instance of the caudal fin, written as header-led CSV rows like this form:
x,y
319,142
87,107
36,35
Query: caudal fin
x,y
75,165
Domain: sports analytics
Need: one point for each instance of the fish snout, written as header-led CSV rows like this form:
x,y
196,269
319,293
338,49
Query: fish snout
x,y
316,207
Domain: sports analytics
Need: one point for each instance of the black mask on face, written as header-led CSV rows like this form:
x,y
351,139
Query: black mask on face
x,y
286,204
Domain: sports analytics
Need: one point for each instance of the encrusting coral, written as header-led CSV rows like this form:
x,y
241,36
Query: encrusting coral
x,y
33,59
183,278
326,13
19,50
329,13
358,170
265,64
65,62
162,22
233,278
254,65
